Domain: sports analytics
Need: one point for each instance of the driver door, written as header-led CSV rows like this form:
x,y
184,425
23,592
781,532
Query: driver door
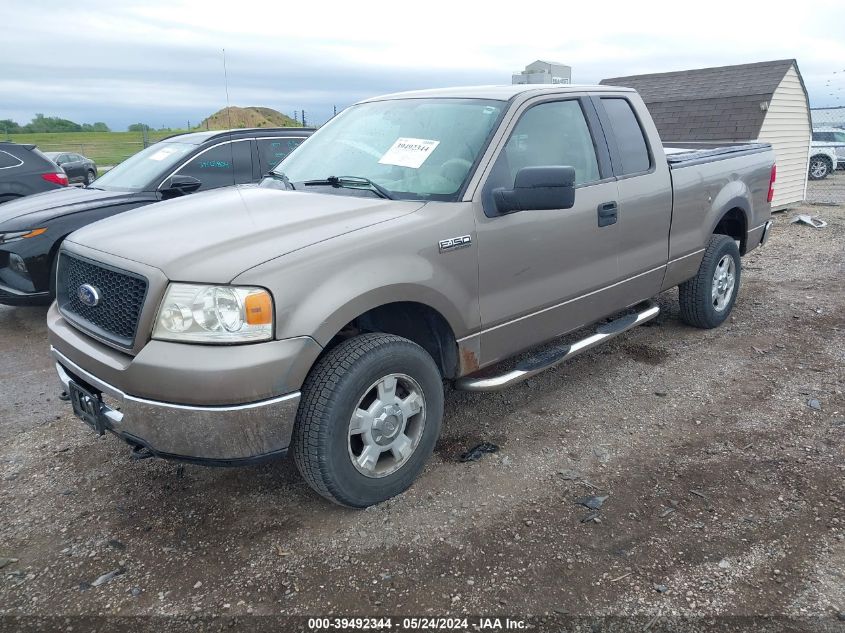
x,y
541,271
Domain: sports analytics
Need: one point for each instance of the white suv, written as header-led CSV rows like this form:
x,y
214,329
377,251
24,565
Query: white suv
x,y
823,161
833,140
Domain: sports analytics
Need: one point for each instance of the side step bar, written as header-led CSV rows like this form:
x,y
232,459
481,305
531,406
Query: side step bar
x,y
557,355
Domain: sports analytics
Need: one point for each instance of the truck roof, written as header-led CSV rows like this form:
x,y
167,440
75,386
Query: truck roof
x,y
500,93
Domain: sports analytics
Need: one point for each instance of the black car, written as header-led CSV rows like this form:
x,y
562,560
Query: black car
x,y
32,229
77,167
24,170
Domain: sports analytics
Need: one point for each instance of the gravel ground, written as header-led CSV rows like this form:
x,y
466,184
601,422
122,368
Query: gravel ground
x,y
720,453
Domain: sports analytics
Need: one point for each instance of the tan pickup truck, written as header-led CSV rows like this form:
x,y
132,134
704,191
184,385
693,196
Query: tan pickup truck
x,y
415,240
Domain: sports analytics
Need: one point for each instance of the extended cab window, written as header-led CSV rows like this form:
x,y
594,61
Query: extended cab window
x,y
553,133
271,151
221,166
633,150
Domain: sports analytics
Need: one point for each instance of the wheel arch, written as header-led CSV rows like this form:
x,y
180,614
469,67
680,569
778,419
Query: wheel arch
x,y
733,222
408,317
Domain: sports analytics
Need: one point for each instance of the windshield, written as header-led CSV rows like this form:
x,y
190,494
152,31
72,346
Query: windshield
x,y
146,167
413,148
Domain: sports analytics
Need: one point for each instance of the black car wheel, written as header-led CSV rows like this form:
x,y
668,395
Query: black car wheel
x,y
368,420
90,177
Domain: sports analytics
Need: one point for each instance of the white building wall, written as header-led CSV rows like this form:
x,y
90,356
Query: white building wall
x,y
787,128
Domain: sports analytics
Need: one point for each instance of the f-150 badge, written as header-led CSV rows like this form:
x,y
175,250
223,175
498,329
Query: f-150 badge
x,y
455,243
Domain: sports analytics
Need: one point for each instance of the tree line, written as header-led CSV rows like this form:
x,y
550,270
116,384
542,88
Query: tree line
x,y
43,123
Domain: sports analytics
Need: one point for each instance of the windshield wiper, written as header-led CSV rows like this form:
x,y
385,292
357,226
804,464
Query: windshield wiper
x,y
351,182
280,176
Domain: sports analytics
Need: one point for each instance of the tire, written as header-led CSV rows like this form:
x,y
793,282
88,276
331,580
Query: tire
x,y
820,167
353,380
708,298
90,177
54,266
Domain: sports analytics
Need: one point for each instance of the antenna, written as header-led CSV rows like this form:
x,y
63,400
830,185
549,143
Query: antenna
x,y
229,117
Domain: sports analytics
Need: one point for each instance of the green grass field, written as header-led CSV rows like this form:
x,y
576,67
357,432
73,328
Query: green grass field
x,y
104,148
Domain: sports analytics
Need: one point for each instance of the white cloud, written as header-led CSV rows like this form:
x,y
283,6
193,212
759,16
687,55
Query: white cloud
x,y
124,61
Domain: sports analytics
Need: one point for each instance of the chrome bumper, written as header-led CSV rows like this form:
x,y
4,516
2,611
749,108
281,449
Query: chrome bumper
x,y
226,435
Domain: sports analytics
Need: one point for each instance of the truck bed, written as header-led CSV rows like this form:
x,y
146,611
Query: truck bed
x,y
680,155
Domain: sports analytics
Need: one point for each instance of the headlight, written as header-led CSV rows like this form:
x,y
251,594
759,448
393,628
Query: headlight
x,y
214,314
20,235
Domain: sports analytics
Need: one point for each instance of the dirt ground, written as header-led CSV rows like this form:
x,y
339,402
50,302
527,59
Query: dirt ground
x,y
720,453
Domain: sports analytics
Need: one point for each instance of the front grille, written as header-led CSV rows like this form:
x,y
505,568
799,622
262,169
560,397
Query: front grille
x,y
121,298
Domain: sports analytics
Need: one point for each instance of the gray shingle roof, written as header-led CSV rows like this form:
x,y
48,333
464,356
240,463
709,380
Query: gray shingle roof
x,y
708,104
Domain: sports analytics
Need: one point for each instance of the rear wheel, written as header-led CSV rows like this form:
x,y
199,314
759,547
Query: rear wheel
x,y
369,417
820,167
90,177
707,299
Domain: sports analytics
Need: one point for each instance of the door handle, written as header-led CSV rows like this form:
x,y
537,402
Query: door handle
x,y
608,213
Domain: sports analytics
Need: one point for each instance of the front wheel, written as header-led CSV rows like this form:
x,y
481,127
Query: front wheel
x,y
90,177
708,298
820,167
369,417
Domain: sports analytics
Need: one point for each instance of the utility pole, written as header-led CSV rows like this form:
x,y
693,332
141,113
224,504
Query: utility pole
x,y
303,119
296,115
335,111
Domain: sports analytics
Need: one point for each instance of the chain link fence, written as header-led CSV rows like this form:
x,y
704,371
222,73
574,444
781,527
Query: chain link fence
x,y
826,184
829,190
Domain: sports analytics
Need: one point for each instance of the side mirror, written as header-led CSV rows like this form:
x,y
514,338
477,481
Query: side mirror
x,y
179,186
538,188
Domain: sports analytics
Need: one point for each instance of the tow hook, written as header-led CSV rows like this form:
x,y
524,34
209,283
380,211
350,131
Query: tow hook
x,y
138,453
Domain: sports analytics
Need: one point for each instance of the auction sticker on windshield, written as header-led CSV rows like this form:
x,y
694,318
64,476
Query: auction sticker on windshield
x,y
408,152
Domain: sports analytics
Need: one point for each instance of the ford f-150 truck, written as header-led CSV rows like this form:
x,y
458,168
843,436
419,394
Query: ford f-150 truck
x,y
416,240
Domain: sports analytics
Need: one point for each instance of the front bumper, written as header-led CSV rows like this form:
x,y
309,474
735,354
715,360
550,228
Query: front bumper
x,y
13,297
215,435
25,267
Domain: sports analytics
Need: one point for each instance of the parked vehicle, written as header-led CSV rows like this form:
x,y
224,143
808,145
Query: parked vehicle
x,y
831,137
24,170
822,161
77,167
414,239
173,167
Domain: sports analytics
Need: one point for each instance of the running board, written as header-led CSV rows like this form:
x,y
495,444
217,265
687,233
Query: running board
x,y
556,355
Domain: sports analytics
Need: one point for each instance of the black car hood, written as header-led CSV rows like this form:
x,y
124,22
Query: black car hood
x,y
42,207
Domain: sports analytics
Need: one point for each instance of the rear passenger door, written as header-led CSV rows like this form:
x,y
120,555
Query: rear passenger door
x,y
645,194
272,150
222,165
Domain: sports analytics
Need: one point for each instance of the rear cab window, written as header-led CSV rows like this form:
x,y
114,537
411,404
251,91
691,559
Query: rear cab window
x,y
632,152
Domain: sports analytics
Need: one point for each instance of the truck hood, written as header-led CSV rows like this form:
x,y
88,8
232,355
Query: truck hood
x,y
36,209
214,236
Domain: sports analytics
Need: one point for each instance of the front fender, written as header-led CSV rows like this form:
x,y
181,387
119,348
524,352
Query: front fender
x,y
319,289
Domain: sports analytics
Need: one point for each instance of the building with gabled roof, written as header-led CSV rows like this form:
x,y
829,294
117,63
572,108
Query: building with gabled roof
x,y
765,101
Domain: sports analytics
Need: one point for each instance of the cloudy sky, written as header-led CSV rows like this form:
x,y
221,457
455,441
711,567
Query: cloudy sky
x,y
160,61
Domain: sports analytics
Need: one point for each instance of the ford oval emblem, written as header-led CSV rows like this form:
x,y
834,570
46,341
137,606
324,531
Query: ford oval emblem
x,y
88,295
